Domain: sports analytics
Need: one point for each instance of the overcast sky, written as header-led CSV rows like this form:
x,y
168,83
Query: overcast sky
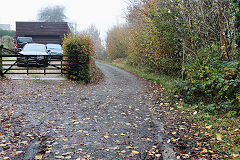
x,y
103,13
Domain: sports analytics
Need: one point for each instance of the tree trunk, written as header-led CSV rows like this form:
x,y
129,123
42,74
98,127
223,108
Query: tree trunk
x,y
1,73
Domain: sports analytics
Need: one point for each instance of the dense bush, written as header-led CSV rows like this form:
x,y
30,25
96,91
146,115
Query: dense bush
x,y
212,79
7,42
80,51
163,32
153,38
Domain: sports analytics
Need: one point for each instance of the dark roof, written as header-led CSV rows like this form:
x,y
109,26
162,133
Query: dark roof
x,y
42,28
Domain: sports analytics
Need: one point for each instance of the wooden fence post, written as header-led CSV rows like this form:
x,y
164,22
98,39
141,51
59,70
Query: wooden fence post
x,y
1,51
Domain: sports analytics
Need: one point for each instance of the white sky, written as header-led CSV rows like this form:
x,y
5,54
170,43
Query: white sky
x,y
103,13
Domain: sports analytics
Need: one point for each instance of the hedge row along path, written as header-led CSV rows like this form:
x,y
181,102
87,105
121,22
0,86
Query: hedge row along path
x,y
66,120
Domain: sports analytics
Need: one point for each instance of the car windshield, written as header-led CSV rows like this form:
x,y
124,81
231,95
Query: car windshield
x,y
54,46
28,40
31,47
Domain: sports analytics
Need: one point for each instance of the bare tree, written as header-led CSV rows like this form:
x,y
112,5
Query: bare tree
x,y
52,14
94,34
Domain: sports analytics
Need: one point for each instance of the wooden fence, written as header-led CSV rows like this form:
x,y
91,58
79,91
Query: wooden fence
x,y
14,63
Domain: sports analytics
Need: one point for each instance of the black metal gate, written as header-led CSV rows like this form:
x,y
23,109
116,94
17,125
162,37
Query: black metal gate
x,y
14,63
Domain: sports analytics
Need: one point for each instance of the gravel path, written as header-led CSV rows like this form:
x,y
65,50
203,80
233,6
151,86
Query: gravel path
x,y
67,120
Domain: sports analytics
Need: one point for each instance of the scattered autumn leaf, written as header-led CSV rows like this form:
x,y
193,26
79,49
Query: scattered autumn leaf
x,y
135,152
209,127
219,136
38,157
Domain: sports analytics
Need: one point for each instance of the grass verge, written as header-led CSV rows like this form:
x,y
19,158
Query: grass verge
x,y
221,131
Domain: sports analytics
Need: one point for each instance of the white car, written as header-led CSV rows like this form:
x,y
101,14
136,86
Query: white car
x,y
34,54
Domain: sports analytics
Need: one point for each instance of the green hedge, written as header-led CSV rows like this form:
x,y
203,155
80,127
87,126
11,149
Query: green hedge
x,y
80,50
213,80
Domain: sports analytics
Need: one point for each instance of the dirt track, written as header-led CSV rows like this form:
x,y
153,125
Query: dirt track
x,y
66,120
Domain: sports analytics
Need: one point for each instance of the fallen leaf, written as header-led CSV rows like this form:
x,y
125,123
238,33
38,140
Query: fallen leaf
x,y
38,142
135,152
59,157
195,113
219,136
24,142
209,127
29,135
64,154
235,155
174,140
204,150
158,155
129,147
39,156
123,151
19,152
68,157
210,151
